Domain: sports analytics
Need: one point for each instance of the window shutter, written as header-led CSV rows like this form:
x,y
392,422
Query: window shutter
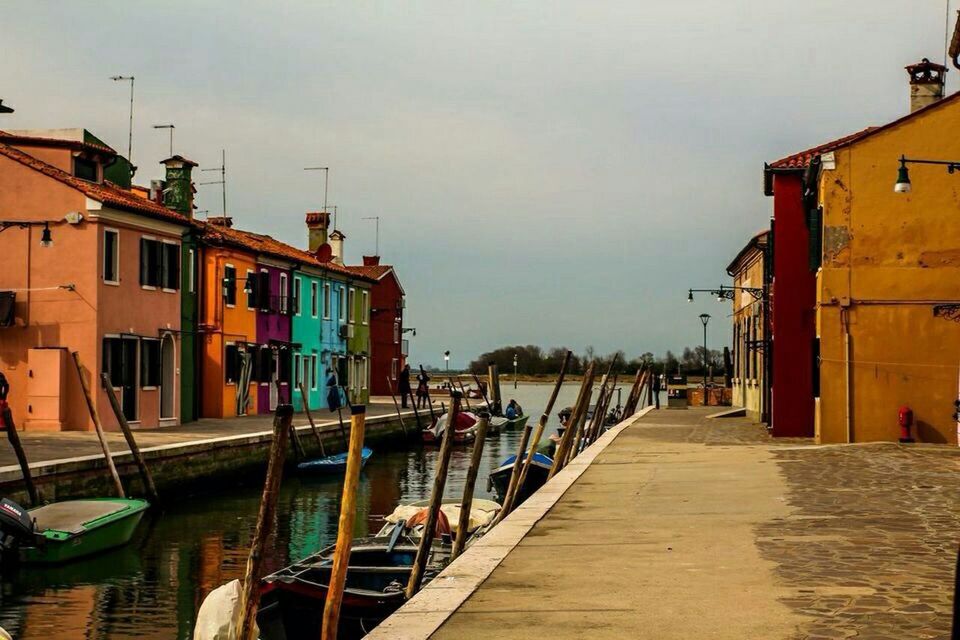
x,y
144,262
263,290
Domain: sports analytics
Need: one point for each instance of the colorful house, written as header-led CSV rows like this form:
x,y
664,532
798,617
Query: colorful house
x,y
750,326
89,267
387,347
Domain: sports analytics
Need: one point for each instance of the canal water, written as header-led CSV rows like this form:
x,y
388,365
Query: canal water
x,y
153,587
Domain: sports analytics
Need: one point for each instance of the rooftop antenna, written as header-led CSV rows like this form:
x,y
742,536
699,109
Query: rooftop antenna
x,y
377,218
223,178
326,182
171,128
130,127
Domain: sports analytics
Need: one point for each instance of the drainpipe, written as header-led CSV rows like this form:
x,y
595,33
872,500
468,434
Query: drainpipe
x,y
848,409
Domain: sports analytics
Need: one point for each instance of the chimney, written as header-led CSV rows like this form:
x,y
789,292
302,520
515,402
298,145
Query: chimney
x,y
336,247
317,224
179,190
221,221
926,83
371,261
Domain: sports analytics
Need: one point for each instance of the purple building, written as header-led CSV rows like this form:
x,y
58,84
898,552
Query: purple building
x,y
277,304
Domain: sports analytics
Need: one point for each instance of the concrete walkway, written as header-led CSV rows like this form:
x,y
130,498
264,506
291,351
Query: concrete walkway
x,y
690,527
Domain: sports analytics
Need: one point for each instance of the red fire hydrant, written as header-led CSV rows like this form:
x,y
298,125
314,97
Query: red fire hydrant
x,y
905,419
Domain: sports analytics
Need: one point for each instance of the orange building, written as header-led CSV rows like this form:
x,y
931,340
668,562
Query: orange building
x,y
88,267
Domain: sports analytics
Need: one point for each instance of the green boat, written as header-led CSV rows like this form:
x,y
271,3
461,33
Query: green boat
x,y
516,424
64,531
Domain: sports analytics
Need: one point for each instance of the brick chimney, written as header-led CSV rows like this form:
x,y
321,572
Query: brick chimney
x,y
178,191
926,83
221,221
371,261
336,247
317,224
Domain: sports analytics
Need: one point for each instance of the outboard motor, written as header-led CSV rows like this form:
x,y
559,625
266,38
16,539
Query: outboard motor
x,y
16,527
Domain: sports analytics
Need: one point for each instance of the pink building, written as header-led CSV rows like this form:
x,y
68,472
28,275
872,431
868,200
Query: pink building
x,y
108,287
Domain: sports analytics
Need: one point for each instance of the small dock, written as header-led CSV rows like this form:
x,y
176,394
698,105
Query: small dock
x,y
70,464
677,525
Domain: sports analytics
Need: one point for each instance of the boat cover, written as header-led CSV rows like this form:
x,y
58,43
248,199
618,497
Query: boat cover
x,y
70,516
217,618
482,513
465,420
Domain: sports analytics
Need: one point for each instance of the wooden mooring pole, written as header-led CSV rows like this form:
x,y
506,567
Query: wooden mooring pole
x,y
250,594
348,512
436,498
6,423
145,476
95,416
570,433
466,504
397,406
313,425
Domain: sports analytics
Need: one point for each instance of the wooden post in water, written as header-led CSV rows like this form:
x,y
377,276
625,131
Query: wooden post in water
x,y
436,498
95,416
6,422
250,594
560,455
579,425
480,388
145,476
416,412
466,398
494,377
466,504
541,425
298,451
630,407
397,405
313,425
348,513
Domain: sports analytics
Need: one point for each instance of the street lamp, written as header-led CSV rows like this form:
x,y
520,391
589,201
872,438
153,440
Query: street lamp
x,y
446,359
705,318
514,371
903,174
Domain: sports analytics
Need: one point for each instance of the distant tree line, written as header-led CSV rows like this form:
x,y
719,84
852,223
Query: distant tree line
x,y
534,360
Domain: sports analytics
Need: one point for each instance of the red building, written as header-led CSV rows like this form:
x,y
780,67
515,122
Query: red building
x,y
793,345
387,352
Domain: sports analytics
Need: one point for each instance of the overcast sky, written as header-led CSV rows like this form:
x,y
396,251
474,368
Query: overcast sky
x,y
551,173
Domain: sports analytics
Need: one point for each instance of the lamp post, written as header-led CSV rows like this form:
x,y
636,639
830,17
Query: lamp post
x,y
705,318
514,371
446,360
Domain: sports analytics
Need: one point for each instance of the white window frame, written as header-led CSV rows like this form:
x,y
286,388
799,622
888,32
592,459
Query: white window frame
x,y
364,371
164,241
364,306
223,364
351,302
284,293
145,287
296,370
314,299
394,367
341,303
225,303
313,371
396,333
298,297
152,387
192,282
116,266
326,300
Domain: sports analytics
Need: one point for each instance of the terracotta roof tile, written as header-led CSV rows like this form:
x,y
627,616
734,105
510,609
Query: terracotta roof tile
x,y
802,160
15,138
107,192
372,271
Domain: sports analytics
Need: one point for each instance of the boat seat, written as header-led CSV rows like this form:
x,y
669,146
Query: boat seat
x,y
70,516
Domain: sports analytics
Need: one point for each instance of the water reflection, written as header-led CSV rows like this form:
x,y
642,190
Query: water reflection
x,y
153,587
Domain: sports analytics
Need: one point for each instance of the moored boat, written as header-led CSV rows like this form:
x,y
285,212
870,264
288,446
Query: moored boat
x,y
515,424
335,464
499,478
65,531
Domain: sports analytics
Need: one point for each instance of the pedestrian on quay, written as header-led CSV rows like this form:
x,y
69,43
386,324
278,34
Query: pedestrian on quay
x,y
333,391
655,390
403,385
422,392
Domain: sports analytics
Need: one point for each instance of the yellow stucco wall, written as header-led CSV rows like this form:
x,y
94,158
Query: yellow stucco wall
x,y
749,376
887,259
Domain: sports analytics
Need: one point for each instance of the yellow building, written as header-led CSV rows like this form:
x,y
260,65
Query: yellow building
x,y
749,382
888,287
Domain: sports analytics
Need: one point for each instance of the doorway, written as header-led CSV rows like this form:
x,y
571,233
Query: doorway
x,y
129,368
274,379
168,369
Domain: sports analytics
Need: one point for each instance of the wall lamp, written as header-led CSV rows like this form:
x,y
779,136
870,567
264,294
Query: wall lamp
x,y
412,330
728,293
903,174
46,237
247,285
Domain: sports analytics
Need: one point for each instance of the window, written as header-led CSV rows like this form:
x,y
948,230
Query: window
x,y
85,169
149,362
313,372
283,375
230,285
170,266
306,379
283,293
191,271
313,299
365,308
394,364
297,378
297,293
263,290
112,360
326,300
251,287
341,307
351,312
265,365
149,262
111,256
231,363
396,333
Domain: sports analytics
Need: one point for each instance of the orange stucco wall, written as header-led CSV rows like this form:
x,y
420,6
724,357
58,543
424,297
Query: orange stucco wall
x,y
222,324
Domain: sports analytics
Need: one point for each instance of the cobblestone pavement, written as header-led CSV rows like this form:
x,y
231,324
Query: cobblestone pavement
x,y
870,548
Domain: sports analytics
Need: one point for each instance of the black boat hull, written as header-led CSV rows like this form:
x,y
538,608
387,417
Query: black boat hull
x,y
536,478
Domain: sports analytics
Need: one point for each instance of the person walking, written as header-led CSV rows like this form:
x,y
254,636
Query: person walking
x,y
655,389
422,392
333,391
403,385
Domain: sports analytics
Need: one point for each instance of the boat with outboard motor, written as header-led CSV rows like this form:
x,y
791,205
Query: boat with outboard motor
x,y
499,479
